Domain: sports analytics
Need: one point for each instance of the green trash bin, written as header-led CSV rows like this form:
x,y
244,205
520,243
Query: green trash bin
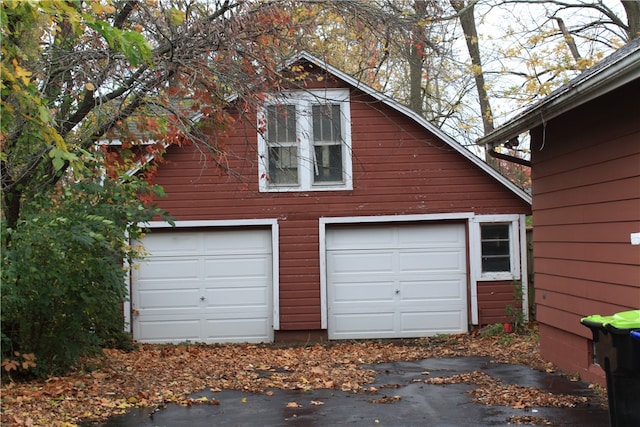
x,y
618,353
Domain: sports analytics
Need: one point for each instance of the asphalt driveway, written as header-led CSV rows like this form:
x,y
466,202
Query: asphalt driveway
x,y
400,396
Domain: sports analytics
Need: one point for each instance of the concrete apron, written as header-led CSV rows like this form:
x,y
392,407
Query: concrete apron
x,y
419,404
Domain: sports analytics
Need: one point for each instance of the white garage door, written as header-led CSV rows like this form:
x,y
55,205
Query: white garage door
x,y
210,286
396,281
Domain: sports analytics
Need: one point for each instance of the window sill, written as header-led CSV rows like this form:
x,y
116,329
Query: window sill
x,y
284,189
497,276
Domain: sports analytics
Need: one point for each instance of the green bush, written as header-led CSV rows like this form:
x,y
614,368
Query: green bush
x,y
63,279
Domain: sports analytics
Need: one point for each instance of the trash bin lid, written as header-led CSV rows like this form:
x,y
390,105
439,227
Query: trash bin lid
x,y
595,320
626,320
622,320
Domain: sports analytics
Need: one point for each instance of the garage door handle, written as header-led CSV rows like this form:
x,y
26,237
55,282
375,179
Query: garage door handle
x,y
202,298
397,291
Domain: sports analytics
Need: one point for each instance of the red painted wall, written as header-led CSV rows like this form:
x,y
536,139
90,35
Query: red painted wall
x,y
398,168
586,202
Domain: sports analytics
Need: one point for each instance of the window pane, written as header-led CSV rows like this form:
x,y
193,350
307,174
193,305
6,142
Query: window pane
x,y
327,140
281,123
495,265
282,142
495,231
326,123
496,251
283,165
328,163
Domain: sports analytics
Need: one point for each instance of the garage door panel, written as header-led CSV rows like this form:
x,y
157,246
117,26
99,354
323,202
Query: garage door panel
x,y
421,236
432,290
356,238
369,291
239,267
235,330
364,323
430,322
237,297
168,299
165,330
431,261
373,261
167,269
173,244
240,242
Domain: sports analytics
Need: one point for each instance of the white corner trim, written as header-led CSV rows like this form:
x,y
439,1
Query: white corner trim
x,y
324,308
474,268
275,274
524,270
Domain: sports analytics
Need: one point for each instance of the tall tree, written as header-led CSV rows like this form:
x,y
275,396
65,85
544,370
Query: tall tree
x,y
75,73
465,11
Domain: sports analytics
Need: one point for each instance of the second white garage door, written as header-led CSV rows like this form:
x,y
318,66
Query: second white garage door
x,y
396,281
209,286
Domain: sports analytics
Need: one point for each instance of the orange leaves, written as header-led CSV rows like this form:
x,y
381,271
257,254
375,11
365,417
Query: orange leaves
x,y
21,361
492,391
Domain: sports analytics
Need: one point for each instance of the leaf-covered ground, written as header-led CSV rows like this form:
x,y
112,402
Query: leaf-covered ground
x,y
157,375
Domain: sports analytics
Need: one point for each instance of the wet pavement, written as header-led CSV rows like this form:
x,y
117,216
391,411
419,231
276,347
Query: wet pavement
x,y
419,403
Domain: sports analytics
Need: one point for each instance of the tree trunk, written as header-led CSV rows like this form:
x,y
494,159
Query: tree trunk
x,y
632,8
568,38
416,59
10,198
468,23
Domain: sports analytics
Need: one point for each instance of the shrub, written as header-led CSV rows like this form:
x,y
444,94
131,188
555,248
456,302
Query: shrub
x,y
63,280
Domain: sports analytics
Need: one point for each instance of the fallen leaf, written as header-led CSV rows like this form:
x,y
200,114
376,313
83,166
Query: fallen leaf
x,y
386,399
293,405
317,402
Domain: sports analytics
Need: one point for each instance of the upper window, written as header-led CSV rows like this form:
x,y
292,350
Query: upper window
x,y
305,142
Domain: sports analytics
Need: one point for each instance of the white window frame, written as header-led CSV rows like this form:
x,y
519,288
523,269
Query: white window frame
x,y
514,246
304,100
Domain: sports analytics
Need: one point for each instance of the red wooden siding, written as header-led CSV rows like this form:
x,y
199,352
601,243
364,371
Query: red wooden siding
x,y
586,202
493,298
398,168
